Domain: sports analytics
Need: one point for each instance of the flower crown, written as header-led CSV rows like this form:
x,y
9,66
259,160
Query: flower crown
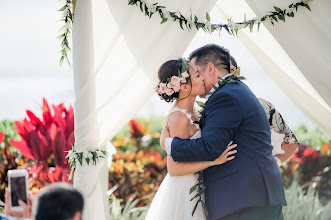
x,y
173,83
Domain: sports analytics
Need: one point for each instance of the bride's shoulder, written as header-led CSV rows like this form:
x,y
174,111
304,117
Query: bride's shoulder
x,y
178,119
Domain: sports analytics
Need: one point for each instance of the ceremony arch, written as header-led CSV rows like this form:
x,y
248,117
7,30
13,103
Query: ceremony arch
x,y
117,51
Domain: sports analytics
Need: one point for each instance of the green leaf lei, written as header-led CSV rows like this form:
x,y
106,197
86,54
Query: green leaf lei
x,y
89,156
200,187
231,27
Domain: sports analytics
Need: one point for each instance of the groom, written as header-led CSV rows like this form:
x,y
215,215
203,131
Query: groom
x,y
250,186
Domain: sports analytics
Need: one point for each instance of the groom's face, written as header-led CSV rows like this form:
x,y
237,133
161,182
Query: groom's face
x,y
204,74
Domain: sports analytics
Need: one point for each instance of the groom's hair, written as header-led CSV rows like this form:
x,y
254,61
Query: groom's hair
x,y
213,53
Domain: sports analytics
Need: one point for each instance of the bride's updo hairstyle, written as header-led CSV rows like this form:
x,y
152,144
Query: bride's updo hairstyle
x,y
172,74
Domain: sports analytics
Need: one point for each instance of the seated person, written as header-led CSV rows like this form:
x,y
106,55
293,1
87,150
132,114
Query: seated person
x,y
277,124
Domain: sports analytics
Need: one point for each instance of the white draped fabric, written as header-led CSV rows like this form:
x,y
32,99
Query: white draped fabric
x,y
117,51
296,54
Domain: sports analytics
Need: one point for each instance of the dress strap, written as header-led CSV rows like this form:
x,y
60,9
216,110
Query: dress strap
x,y
184,111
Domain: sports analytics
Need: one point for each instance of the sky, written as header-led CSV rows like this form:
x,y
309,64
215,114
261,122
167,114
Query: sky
x,y
29,64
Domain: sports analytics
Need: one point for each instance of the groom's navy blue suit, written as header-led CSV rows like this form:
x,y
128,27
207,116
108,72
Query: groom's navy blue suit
x,y
252,179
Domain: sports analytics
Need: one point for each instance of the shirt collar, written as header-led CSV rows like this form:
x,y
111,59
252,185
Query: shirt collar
x,y
216,85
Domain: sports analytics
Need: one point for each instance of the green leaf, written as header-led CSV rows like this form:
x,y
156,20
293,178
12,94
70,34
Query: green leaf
x,y
181,24
277,9
61,61
87,161
195,207
195,19
193,188
63,8
204,209
164,20
258,26
207,16
80,158
307,6
201,104
194,197
251,27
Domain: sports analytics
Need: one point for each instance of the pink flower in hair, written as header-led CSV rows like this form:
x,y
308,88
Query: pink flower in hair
x,y
163,88
175,80
183,80
176,88
170,85
170,92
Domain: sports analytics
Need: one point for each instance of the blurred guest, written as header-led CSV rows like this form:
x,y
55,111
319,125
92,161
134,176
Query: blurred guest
x,y
277,125
55,201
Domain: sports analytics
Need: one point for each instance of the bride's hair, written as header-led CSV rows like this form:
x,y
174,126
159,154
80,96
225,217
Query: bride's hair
x,y
167,70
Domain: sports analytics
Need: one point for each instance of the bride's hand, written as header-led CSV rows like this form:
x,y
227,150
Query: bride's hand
x,y
226,155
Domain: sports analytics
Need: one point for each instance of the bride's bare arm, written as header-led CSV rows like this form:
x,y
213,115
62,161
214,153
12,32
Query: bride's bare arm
x,y
179,127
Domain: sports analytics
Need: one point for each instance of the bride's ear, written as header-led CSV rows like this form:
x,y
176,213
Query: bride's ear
x,y
184,87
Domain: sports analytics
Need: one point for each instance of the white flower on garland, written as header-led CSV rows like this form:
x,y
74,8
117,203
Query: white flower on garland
x,y
165,14
208,25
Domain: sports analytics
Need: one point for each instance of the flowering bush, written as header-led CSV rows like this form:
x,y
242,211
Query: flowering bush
x,y
313,168
137,173
45,142
137,168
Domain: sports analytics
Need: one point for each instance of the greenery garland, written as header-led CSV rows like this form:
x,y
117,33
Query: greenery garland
x,y
89,156
231,27
67,17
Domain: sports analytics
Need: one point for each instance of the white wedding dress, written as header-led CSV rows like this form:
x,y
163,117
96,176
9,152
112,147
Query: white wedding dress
x,y
172,200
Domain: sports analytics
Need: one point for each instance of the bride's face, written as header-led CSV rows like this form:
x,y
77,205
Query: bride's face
x,y
198,85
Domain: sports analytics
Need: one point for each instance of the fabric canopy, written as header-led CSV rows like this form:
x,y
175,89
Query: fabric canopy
x,y
117,51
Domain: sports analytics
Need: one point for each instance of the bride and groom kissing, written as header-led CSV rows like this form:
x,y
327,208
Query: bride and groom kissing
x,y
231,144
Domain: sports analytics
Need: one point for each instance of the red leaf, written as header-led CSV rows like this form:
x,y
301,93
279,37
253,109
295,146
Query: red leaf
x,y
70,141
35,144
33,118
59,145
47,115
24,148
20,129
2,136
59,120
70,120
43,148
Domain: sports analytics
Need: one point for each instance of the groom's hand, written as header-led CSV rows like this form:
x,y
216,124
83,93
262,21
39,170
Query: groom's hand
x,y
165,134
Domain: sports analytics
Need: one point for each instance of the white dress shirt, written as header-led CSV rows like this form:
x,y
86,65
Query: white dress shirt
x,y
168,141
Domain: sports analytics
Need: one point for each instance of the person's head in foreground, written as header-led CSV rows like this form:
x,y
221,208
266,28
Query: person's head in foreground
x,y
58,201
179,81
210,61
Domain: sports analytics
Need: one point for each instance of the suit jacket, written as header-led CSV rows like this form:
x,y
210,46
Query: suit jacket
x,y
252,179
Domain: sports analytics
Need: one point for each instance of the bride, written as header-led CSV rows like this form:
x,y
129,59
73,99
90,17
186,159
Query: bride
x,y
180,82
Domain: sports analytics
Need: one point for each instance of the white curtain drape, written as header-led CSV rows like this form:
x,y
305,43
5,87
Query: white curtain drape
x,y
117,51
296,54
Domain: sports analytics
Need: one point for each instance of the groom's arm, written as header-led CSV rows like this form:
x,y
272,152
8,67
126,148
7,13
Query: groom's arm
x,y
223,117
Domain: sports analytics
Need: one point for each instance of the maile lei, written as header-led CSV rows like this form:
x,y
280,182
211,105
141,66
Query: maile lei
x,y
200,187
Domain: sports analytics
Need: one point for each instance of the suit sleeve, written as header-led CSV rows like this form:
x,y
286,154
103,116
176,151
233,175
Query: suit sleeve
x,y
222,119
